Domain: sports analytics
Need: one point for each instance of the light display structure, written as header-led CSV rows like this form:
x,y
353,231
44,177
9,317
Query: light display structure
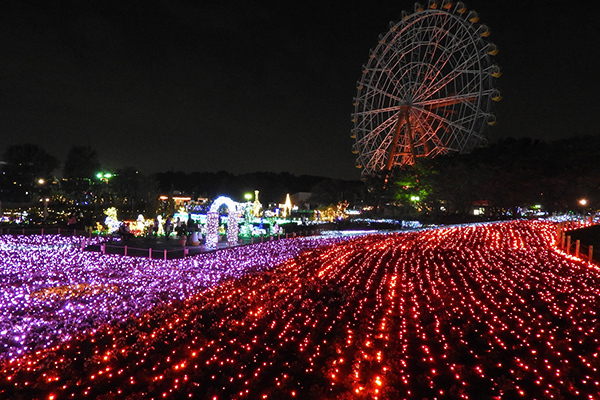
x,y
212,221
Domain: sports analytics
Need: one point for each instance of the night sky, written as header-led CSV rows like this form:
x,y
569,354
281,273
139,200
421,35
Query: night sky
x,y
246,86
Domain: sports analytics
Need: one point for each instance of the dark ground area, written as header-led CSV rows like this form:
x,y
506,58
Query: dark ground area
x,y
588,236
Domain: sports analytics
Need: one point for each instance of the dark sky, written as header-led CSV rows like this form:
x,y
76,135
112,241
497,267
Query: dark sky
x,y
247,86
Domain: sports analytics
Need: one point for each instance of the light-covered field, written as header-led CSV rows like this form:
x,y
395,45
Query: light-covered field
x,y
490,311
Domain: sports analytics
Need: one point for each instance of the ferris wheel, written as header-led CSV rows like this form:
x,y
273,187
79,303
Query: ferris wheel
x,y
427,88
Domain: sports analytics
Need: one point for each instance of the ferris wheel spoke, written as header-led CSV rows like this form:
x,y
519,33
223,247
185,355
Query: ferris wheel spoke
x,y
447,79
430,133
440,44
388,45
396,81
379,91
378,155
457,41
433,45
378,132
450,123
459,70
441,102
441,63
379,111
442,144
371,141
372,111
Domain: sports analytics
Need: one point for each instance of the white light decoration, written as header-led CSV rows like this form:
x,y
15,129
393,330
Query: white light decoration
x,y
161,228
233,227
212,219
212,229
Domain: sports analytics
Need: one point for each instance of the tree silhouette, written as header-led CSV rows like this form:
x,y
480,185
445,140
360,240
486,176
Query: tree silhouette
x,y
81,163
25,165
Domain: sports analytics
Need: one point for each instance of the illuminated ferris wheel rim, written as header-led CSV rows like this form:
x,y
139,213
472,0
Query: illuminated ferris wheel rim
x,y
426,88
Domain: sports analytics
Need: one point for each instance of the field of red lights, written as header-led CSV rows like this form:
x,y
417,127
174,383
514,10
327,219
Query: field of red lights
x,y
476,312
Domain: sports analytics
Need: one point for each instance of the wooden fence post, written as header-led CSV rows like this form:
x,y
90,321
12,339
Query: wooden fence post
x,y
577,245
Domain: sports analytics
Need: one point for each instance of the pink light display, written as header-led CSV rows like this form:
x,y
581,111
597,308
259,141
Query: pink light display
x,y
489,311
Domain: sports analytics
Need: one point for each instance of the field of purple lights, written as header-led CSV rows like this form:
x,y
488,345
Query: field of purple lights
x,y
52,290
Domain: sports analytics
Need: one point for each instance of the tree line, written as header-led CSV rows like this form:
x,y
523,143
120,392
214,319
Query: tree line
x,y
504,177
29,174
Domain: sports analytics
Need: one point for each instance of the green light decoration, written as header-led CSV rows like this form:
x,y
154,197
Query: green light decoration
x,y
414,185
104,175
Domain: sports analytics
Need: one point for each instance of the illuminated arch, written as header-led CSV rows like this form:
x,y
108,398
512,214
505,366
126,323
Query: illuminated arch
x,y
212,221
